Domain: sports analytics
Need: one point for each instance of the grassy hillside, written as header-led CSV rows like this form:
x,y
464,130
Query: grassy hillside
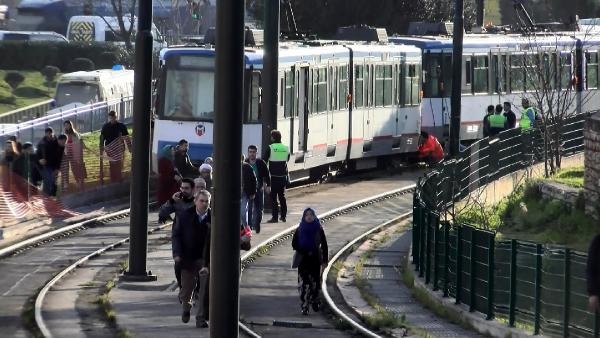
x,y
31,91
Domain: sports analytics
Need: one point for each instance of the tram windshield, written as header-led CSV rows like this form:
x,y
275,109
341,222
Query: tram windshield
x,y
188,89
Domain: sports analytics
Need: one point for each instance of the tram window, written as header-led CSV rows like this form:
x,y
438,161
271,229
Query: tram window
x,y
387,85
591,69
415,72
565,71
333,89
359,76
517,75
369,86
343,86
379,93
320,90
398,92
314,75
254,109
480,74
289,97
499,74
549,70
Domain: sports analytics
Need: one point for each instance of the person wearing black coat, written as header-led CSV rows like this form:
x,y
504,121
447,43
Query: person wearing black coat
x,y
263,184
191,251
592,272
248,191
311,256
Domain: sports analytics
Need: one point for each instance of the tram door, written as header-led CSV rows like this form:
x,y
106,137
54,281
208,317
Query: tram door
x,y
302,85
369,104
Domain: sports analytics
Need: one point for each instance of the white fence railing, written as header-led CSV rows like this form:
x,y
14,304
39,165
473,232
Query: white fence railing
x,y
28,113
86,119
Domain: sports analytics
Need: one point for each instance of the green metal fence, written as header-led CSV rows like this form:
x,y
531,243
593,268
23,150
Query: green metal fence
x,y
535,287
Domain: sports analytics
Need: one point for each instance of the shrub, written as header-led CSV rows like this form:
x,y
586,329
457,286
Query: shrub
x,y
7,99
107,60
81,64
50,72
14,79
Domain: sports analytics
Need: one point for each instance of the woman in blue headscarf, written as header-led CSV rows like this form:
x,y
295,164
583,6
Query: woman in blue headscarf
x,y
168,176
310,244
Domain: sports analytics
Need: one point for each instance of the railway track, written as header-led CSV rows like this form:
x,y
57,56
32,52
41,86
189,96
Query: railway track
x,y
29,265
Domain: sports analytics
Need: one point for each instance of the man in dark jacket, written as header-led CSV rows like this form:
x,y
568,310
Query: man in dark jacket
x,y
248,190
263,183
190,250
113,138
592,272
182,160
50,152
511,117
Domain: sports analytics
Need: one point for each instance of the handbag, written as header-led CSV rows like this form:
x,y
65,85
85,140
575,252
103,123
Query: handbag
x,y
296,259
245,237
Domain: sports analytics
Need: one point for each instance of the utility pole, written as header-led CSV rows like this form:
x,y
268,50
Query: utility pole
x,y
480,13
225,231
455,100
270,66
140,163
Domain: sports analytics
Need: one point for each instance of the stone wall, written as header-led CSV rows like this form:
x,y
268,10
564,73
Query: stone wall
x,y
592,165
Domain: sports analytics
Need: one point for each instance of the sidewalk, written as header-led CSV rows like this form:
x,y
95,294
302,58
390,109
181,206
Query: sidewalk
x,y
381,269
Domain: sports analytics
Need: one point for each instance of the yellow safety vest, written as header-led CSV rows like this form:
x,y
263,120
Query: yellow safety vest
x,y
279,152
525,122
497,121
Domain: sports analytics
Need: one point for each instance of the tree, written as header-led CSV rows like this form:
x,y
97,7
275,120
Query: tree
x,y
550,80
14,80
49,72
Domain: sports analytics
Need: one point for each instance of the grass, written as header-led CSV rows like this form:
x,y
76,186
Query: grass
x,y
572,177
31,91
28,317
525,215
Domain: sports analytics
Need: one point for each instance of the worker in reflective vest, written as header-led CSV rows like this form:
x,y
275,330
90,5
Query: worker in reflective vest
x,y
527,116
497,121
278,155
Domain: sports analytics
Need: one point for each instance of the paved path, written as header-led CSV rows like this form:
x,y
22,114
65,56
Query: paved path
x,y
381,270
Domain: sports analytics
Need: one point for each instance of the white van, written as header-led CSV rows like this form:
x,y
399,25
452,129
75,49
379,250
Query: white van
x,y
90,28
94,86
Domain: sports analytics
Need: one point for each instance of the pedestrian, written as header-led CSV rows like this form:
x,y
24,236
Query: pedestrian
x,y
486,121
312,254
497,121
26,167
528,116
430,150
73,157
180,201
511,118
191,245
277,156
168,177
248,191
113,138
50,152
9,156
209,160
206,173
183,162
592,272
199,185
263,184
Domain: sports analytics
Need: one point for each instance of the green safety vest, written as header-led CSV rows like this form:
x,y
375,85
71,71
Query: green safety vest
x,y
279,152
525,122
497,121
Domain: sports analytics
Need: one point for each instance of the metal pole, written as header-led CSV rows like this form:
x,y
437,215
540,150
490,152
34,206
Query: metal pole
x,y
480,13
455,100
225,231
538,290
140,162
459,269
490,290
513,283
270,66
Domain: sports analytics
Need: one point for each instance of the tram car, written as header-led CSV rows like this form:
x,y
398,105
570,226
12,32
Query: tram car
x,y
498,68
338,104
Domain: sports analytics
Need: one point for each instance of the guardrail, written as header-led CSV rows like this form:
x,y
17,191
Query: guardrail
x,y
535,287
27,113
86,119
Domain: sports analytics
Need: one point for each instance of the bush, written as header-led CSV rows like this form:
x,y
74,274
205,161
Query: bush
x,y
7,99
14,79
50,72
107,60
35,55
81,64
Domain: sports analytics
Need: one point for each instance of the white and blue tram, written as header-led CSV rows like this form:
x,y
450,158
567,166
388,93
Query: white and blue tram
x,y
352,104
495,70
